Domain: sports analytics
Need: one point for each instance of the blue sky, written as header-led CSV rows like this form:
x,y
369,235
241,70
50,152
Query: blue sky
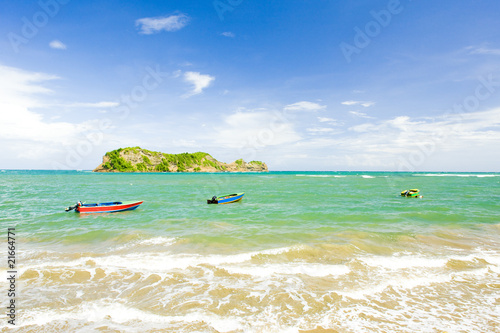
x,y
302,85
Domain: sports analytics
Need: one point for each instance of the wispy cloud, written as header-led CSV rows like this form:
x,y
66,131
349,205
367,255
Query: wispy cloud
x,y
228,34
482,50
403,134
27,133
57,44
320,130
151,25
360,114
255,129
326,120
330,121
103,104
199,82
365,104
388,143
304,106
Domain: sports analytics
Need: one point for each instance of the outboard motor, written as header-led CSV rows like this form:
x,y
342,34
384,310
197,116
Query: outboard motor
x,y
213,200
70,208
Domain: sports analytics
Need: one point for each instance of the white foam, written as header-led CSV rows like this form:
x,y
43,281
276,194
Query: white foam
x,y
398,262
405,278
402,262
366,176
157,262
99,312
159,241
166,262
165,241
398,282
268,270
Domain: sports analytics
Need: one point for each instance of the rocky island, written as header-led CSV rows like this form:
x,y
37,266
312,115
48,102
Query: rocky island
x,y
136,159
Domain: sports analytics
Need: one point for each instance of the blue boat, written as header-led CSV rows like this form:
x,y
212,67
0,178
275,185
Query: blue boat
x,y
225,199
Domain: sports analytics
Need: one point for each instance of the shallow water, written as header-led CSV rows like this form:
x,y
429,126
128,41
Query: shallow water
x,y
302,250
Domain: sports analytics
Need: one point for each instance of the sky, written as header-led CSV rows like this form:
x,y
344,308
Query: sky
x,y
391,85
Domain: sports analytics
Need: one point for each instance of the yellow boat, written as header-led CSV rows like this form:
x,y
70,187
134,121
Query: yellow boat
x,y
413,193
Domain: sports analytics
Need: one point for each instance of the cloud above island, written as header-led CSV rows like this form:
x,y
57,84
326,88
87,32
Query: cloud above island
x,y
252,130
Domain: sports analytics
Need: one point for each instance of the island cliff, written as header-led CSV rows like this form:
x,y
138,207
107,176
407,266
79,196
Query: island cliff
x,y
137,159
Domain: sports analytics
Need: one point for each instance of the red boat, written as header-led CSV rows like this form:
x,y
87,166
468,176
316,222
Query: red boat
x,y
105,207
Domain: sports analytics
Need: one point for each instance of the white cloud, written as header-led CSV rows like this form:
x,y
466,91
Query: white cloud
x,y
177,73
18,122
304,106
25,132
103,104
365,104
326,120
248,130
228,34
330,121
57,44
320,130
199,82
185,143
360,114
446,133
151,25
464,141
482,50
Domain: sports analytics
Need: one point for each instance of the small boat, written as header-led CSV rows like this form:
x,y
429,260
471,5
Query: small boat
x,y
413,193
225,199
104,207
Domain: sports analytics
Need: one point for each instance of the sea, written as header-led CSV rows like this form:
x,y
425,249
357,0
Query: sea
x,y
302,252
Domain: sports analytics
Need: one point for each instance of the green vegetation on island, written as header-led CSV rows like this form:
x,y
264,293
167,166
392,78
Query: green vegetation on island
x,y
136,159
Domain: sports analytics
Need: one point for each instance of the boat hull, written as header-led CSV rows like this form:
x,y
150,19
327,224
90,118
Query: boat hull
x,y
226,199
413,193
108,207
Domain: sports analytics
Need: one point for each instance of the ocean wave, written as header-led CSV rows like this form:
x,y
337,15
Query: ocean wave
x,y
163,241
208,298
119,316
267,270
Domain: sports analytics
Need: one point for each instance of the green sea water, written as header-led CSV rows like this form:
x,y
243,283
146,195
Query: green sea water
x,y
302,251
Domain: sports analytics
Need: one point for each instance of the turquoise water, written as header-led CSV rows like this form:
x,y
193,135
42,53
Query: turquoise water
x,y
302,250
